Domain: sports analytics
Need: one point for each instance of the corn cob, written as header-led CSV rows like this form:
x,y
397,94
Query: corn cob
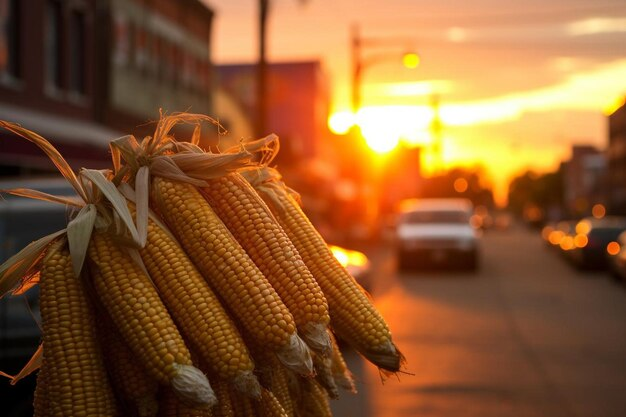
x,y
74,377
353,316
41,402
133,303
197,311
314,402
133,385
279,385
171,406
230,271
242,406
273,376
342,375
250,221
324,375
224,407
270,406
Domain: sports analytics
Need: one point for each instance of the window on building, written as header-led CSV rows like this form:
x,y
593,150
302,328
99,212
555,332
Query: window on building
x,y
77,52
53,44
10,39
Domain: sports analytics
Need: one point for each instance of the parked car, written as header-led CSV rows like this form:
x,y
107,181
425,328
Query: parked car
x,y
617,257
437,232
356,263
22,221
592,239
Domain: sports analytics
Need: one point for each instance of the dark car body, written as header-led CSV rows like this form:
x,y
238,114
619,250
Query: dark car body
x,y
592,238
617,258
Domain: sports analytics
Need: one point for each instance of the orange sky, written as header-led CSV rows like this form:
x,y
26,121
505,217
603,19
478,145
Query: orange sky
x,y
519,82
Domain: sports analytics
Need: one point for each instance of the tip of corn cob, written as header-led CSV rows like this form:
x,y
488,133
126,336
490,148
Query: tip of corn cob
x,y
192,387
328,383
386,357
247,383
316,337
296,356
345,381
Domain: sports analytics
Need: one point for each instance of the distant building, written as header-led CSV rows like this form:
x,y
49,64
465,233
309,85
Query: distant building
x,y
584,179
617,161
83,72
402,177
297,104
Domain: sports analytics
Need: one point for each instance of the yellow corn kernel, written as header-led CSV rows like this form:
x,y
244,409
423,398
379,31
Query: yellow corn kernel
x,y
133,304
242,406
279,385
230,271
41,402
224,407
196,309
269,406
250,221
353,316
74,377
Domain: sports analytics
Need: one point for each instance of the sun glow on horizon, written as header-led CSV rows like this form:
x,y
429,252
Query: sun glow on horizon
x,y
596,90
468,137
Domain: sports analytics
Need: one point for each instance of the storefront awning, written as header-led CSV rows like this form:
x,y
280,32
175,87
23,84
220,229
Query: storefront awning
x,y
82,143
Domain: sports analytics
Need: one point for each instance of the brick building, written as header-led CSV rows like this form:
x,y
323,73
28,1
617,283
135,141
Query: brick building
x,y
83,72
584,180
617,161
298,104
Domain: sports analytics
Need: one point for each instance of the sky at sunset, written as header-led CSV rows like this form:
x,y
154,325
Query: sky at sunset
x,y
518,82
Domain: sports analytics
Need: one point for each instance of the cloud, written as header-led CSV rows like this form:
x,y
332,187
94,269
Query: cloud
x,y
596,25
592,90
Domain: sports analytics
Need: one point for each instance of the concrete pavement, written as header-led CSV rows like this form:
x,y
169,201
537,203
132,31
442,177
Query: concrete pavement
x,y
524,336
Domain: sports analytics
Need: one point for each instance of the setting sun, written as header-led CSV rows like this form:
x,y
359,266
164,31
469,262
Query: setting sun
x,y
380,140
341,122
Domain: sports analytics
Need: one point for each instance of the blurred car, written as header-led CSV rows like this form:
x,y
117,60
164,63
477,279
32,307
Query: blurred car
x,y
437,232
356,263
592,241
560,235
617,257
23,220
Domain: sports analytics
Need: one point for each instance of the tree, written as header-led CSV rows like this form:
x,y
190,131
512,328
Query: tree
x,y
459,182
543,191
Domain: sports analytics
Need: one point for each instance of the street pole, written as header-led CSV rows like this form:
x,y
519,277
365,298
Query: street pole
x,y
261,75
368,174
357,68
436,132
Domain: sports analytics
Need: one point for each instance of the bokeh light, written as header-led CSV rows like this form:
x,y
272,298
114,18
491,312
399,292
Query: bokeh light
x,y
341,122
411,60
598,211
460,185
613,248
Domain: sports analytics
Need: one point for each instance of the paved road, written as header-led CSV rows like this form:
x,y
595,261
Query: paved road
x,y
526,336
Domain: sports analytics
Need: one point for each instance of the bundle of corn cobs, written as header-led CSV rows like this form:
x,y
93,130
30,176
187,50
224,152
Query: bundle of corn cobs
x,y
189,283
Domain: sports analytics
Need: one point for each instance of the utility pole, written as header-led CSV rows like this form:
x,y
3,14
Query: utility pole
x,y
261,73
436,132
357,68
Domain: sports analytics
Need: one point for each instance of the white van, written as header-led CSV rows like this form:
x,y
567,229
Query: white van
x,y
437,232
